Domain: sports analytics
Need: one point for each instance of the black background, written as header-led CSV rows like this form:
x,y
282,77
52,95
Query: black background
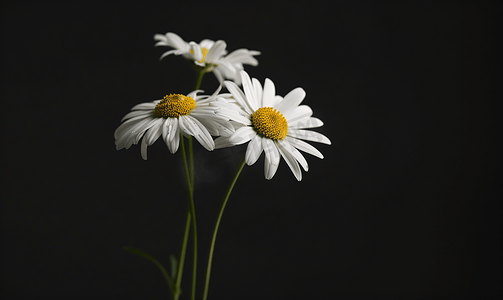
x,y
405,204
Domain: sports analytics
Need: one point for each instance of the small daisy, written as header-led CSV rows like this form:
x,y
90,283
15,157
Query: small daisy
x,y
190,115
209,54
272,124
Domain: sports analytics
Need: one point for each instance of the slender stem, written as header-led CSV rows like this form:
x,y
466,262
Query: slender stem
x,y
217,223
191,163
178,279
199,78
192,211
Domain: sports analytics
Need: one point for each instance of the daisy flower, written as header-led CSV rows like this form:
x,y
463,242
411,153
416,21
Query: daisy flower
x,y
271,124
190,115
210,55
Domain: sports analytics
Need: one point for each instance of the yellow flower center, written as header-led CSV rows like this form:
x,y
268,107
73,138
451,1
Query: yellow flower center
x,y
174,105
203,50
270,123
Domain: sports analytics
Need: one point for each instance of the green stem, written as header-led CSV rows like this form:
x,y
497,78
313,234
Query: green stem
x,y
217,223
178,279
192,210
199,78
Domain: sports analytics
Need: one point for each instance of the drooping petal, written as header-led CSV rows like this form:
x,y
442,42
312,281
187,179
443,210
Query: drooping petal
x,y
272,158
291,162
150,137
202,135
308,135
223,142
176,52
125,126
295,153
136,113
242,135
126,133
253,150
145,105
174,143
173,129
156,131
291,100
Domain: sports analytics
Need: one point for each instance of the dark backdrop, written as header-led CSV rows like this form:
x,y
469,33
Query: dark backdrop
x,y
405,204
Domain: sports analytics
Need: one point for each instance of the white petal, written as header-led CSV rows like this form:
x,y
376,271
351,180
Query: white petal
x,y
174,130
223,142
202,135
297,114
150,137
238,95
249,91
176,42
174,143
243,56
155,131
124,127
290,160
136,113
196,51
308,135
216,51
161,38
306,123
303,146
233,115
276,100
258,91
272,158
144,149
295,153
253,150
145,105
242,135
126,135
168,53
291,100
269,93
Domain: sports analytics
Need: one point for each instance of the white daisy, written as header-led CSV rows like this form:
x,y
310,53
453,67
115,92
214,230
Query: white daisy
x,y
272,124
210,55
190,115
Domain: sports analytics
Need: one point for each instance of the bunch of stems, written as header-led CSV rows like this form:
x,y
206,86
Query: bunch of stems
x,y
174,281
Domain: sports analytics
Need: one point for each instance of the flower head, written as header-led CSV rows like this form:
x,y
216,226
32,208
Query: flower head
x,y
271,124
209,55
190,115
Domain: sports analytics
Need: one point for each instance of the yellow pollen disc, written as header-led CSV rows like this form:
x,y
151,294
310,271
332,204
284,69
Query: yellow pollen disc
x,y
270,123
203,50
174,105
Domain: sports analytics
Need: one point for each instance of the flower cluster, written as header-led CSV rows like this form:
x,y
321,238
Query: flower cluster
x,y
254,114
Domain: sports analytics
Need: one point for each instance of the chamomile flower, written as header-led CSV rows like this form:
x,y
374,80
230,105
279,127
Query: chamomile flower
x,y
210,55
271,124
191,115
